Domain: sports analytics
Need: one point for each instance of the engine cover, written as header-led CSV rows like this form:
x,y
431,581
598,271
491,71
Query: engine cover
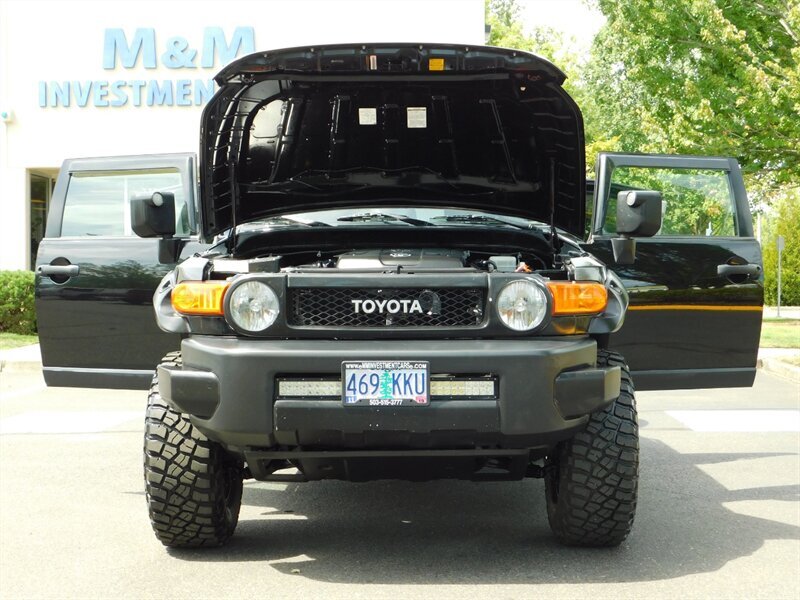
x,y
406,258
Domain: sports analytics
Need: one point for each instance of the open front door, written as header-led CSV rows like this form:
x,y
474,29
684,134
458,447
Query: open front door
x,y
696,287
95,278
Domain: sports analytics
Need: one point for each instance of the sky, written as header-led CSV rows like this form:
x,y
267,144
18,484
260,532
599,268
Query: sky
x,y
571,17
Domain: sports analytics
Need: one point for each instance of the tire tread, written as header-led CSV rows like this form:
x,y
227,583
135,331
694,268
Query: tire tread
x,y
183,472
592,496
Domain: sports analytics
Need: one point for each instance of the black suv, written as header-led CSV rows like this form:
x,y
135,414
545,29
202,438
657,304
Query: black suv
x,y
388,270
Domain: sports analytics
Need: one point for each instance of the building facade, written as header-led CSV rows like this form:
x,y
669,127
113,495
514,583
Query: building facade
x,y
86,78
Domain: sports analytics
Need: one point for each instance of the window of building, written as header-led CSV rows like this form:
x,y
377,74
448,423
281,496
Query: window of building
x,y
41,189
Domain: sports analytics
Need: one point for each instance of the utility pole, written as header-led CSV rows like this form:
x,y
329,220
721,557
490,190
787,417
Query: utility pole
x,y
781,242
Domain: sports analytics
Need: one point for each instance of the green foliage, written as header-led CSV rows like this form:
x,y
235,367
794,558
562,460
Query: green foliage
x,y
17,313
703,77
785,222
507,32
710,77
691,77
506,28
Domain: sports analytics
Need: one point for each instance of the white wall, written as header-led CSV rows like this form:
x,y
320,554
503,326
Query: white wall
x,y
63,41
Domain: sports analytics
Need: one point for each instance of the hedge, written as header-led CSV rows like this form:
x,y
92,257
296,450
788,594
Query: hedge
x,y
17,313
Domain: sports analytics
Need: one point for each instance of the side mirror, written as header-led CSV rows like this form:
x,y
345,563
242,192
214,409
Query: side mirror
x,y
638,215
153,216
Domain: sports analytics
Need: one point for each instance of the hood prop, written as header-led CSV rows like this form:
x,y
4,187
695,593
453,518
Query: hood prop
x,y
235,146
231,245
554,241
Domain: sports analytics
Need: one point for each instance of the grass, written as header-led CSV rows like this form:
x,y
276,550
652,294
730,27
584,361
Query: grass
x,y
780,333
15,340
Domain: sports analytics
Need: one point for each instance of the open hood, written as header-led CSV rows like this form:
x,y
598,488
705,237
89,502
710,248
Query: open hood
x,y
376,125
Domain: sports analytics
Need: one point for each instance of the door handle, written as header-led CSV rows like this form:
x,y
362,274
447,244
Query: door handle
x,y
750,269
59,270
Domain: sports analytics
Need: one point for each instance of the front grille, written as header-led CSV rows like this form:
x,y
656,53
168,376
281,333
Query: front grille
x,y
334,307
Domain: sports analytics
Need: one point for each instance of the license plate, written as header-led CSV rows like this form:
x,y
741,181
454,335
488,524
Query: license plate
x,y
385,383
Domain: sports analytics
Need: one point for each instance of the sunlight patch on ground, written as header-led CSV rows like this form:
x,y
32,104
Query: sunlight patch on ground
x,y
731,421
784,511
66,422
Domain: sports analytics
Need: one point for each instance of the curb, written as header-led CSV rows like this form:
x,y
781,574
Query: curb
x,y
22,359
20,366
778,367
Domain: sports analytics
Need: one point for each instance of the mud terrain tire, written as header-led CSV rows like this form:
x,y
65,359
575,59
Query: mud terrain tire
x,y
193,486
591,481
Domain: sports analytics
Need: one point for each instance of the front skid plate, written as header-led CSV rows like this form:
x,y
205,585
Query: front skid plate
x,y
480,464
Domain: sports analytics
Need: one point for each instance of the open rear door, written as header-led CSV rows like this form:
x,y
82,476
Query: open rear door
x,y
696,288
95,278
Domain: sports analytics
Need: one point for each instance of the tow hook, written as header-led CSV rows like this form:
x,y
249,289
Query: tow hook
x,y
538,471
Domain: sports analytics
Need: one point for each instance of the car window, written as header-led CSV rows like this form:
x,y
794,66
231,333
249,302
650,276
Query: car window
x,y
696,202
98,202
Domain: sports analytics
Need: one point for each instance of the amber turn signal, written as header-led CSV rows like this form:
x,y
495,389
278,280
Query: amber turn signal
x,y
199,297
576,298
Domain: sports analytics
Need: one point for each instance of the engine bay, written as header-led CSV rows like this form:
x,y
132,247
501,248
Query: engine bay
x,y
389,260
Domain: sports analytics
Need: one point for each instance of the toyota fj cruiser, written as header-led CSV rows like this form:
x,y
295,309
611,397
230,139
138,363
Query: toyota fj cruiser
x,y
388,271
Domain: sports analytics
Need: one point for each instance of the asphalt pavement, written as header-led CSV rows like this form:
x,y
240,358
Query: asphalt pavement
x,y
718,516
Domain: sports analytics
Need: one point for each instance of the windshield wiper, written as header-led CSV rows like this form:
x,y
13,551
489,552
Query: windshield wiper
x,y
384,218
481,220
285,222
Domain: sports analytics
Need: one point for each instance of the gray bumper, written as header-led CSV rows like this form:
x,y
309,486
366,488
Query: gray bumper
x,y
546,389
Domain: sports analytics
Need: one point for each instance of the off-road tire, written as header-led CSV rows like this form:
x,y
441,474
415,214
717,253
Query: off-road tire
x,y
194,487
591,480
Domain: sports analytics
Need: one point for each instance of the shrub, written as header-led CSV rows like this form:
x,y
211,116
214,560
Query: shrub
x,y
17,313
785,222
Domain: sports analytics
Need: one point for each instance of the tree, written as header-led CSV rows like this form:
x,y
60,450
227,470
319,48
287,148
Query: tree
x,y
703,77
503,16
786,222
692,77
507,31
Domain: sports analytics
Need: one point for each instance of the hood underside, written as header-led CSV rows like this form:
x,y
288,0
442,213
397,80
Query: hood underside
x,y
391,125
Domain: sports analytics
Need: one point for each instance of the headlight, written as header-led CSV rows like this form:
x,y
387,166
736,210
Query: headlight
x,y
522,305
253,306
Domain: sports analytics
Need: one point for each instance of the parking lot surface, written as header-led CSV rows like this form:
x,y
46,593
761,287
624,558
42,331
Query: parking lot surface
x,y
719,514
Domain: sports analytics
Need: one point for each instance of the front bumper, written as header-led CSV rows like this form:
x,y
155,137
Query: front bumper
x,y
546,389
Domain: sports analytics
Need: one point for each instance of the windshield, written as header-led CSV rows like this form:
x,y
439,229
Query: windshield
x,y
401,216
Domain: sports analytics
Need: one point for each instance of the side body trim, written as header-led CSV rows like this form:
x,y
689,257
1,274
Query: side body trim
x,y
115,379
693,379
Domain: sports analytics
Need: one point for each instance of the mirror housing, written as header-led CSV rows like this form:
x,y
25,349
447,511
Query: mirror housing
x,y
639,214
154,215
